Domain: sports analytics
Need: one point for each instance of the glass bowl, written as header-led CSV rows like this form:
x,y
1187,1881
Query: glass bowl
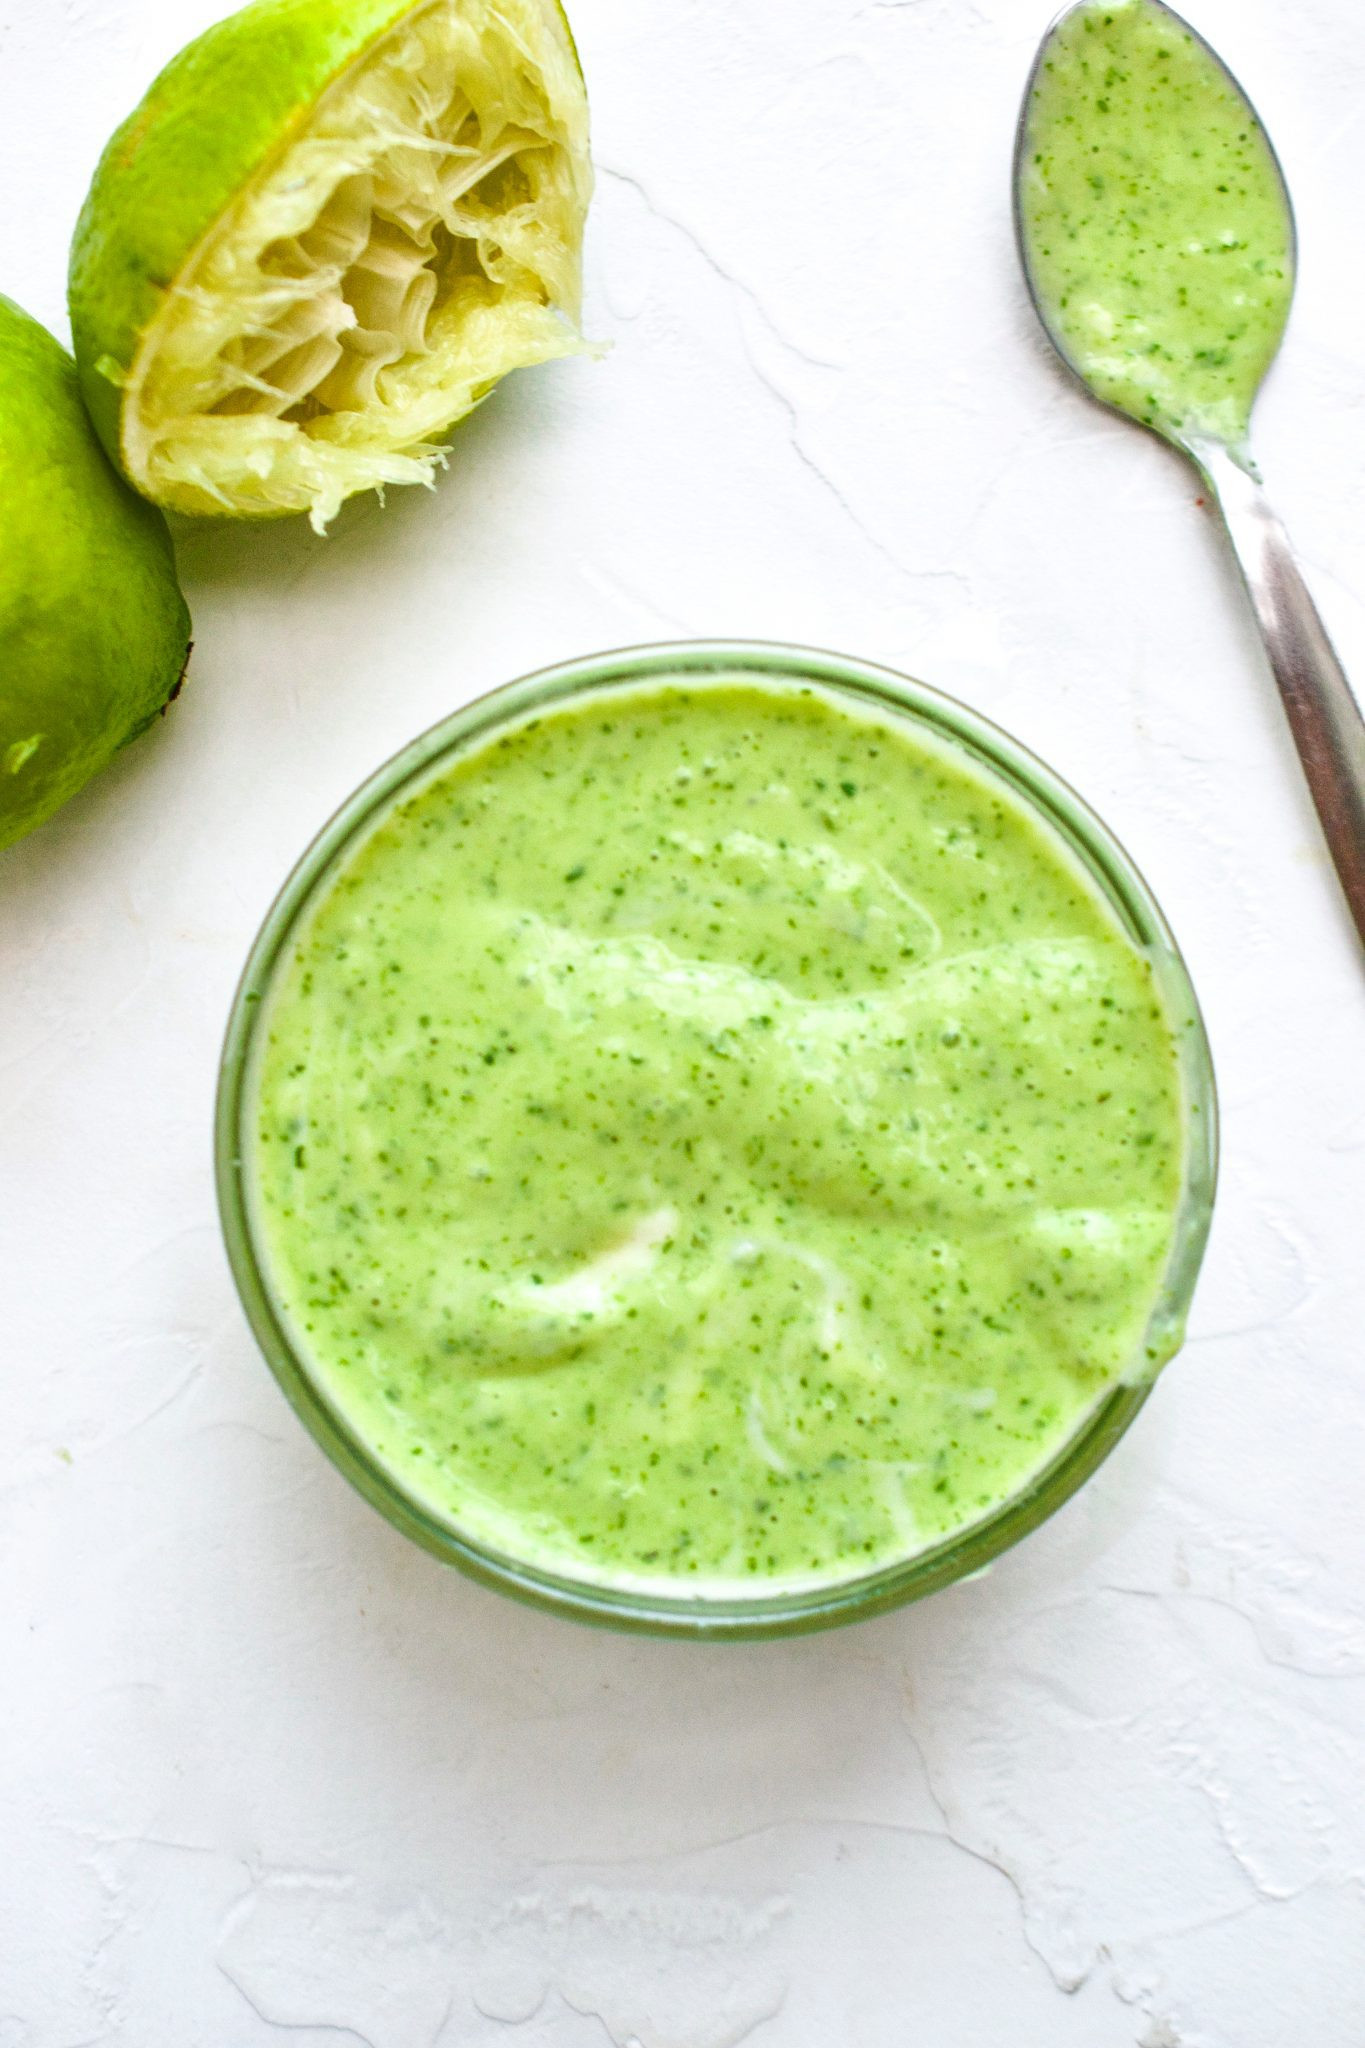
x,y
780,1612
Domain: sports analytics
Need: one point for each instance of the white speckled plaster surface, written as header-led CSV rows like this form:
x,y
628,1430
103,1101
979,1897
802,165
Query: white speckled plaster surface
x,y
271,1774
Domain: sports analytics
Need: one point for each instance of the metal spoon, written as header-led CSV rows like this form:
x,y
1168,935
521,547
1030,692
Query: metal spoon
x,y
1323,715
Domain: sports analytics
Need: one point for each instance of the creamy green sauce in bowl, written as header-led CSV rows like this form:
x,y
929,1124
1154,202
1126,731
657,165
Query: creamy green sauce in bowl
x,y
707,1138
1153,219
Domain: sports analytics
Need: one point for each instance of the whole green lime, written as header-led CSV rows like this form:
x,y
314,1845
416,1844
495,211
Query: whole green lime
x,y
94,633
326,233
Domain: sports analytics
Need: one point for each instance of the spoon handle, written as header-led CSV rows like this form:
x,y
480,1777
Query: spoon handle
x,y
1323,714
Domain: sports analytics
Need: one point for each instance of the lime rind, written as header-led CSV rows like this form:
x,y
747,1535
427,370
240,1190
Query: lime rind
x,y
416,237
94,632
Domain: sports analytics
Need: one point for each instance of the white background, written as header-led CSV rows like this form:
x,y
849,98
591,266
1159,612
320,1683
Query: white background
x,y
272,1774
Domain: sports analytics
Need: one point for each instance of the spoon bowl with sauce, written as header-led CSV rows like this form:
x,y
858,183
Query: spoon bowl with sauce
x,y
1158,244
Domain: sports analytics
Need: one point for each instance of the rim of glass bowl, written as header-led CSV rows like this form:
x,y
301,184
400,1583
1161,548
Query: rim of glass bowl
x,y
775,1613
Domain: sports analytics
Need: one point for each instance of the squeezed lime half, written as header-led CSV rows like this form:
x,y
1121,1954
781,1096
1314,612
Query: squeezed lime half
x,y
94,633
325,234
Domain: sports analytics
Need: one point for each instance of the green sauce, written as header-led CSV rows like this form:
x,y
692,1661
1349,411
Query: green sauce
x,y
1156,229
709,1133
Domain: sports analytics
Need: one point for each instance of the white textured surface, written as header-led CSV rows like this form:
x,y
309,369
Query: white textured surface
x,y
273,1774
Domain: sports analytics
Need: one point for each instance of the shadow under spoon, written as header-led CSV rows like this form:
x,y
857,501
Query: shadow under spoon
x,y
1157,240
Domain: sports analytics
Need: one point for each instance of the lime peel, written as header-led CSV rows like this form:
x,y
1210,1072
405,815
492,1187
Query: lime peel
x,y
21,752
93,629
412,235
